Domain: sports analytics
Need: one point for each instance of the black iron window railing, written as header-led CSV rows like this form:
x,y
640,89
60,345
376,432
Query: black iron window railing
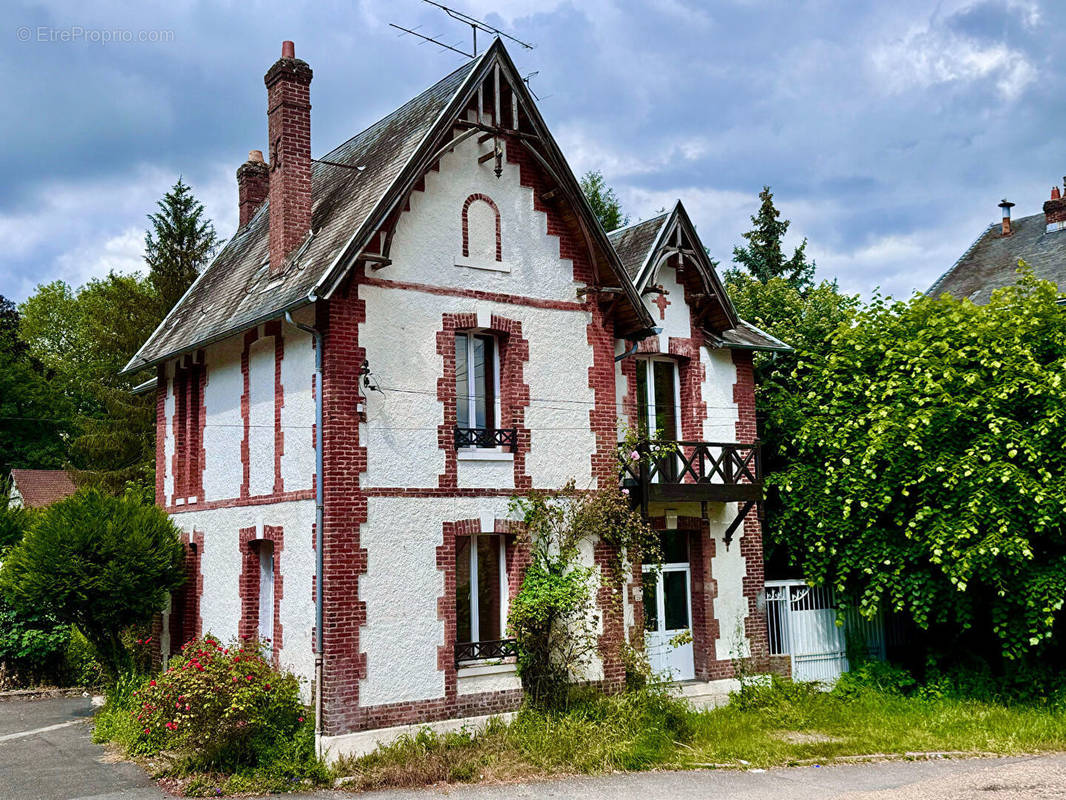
x,y
485,651
486,437
727,463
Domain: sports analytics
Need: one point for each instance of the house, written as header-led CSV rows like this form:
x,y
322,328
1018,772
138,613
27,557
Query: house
x,y
403,334
38,488
991,262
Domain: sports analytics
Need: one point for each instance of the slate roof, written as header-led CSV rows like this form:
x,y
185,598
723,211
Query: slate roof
x,y
633,242
992,261
41,487
237,291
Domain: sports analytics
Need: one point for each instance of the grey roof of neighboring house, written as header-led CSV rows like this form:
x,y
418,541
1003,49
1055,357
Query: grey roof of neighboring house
x,y
991,262
237,291
633,242
746,336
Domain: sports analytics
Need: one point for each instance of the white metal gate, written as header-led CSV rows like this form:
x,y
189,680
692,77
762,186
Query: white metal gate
x,y
802,624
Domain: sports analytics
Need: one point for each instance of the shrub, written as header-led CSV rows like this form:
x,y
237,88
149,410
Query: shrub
x,y
31,645
101,563
878,676
223,707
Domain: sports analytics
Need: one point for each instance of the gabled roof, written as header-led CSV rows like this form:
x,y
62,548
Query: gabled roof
x,y
646,246
992,260
350,204
41,487
633,243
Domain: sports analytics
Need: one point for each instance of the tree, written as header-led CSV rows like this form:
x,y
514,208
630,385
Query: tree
x,y
98,562
178,244
605,203
85,337
930,455
764,257
34,415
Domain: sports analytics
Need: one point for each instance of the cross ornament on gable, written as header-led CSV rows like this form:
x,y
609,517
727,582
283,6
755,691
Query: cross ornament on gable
x,y
662,303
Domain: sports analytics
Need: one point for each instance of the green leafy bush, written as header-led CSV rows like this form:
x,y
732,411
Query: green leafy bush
x,y
878,676
224,707
99,562
926,477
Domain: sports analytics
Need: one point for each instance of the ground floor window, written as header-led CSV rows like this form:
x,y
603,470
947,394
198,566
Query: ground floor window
x,y
481,597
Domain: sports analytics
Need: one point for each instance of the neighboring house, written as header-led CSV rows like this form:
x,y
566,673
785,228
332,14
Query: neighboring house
x,y
436,305
37,488
991,262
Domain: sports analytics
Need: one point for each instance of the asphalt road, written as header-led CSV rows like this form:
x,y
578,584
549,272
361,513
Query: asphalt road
x,y
60,763
46,754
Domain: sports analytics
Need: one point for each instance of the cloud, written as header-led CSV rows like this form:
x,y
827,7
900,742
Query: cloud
x,y
932,55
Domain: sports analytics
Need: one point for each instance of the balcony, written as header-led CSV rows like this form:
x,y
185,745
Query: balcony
x,y
693,472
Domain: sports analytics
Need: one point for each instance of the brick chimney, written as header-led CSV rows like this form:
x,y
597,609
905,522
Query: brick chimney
x,y
288,85
1006,205
1055,210
253,185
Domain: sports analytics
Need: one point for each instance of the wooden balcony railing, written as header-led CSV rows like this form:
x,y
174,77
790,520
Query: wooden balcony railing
x,y
715,471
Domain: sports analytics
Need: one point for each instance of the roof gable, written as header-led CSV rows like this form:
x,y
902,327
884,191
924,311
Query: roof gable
x,y
357,190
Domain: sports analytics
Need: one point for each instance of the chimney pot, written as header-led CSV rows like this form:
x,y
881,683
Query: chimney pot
x,y
255,156
1055,193
288,50
1006,205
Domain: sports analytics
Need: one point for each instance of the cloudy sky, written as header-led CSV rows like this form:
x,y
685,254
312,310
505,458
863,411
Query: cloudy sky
x,y
889,131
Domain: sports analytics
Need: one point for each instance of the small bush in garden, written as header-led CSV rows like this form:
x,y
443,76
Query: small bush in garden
x,y
871,675
223,707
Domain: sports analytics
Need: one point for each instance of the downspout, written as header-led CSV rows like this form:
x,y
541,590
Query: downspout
x,y
319,480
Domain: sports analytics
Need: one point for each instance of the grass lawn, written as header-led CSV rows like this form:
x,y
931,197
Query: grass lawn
x,y
763,727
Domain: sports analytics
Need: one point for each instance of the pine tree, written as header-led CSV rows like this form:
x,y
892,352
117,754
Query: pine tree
x,y
178,244
605,203
764,258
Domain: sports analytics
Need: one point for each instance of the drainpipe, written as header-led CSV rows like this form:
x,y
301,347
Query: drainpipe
x,y
319,480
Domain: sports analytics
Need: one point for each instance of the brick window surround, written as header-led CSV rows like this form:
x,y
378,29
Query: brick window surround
x,y
250,544
187,427
185,623
482,198
517,558
513,352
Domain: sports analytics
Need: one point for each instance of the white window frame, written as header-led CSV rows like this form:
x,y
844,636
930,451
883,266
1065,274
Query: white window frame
x,y
471,388
649,386
475,620
265,550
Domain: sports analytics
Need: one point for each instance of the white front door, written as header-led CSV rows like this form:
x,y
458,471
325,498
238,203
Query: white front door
x,y
668,610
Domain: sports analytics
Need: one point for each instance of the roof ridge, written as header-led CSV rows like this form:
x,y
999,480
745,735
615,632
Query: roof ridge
x,y
960,259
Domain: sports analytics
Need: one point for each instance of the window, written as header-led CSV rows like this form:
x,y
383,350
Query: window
x,y
657,398
481,598
477,391
266,589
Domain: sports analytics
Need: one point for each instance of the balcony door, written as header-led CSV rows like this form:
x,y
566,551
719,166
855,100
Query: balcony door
x,y
668,610
659,407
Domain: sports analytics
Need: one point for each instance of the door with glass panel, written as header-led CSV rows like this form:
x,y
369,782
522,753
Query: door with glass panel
x,y
668,610
659,408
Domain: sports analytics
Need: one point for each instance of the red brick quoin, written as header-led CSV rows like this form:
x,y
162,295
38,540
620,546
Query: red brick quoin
x,y
185,622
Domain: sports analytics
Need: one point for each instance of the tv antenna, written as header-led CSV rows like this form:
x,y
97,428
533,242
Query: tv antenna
x,y
475,26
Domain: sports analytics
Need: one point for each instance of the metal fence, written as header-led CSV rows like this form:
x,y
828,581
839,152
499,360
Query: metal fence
x,y
802,624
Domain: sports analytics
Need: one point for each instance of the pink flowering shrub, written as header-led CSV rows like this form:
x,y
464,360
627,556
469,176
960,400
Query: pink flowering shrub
x,y
223,705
